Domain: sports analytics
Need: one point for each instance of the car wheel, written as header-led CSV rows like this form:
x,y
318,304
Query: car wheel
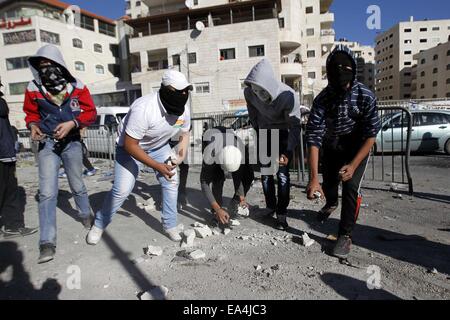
x,y
447,147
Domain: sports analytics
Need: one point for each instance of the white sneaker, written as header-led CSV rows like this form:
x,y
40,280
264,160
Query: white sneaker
x,y
174,233
94,235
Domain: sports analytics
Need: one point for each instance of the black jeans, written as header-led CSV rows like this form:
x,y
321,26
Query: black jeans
x,y
277,202
336,154
11,214
86,163
184,170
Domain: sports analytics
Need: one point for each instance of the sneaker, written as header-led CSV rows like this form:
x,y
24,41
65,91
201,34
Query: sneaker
x,y
88,222
282,223
90,173
174,233
94,235
342,247
19,232
325,213
47,253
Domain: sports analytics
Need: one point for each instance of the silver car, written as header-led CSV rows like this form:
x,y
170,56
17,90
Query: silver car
x,y
430,132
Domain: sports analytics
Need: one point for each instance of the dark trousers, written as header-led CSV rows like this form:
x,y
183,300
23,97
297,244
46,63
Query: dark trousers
x,y
10,214
278,202
184,170
86,163
336,155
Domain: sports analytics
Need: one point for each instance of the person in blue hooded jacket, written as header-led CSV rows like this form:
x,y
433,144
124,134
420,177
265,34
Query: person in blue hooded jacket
x,y
274,106
344,123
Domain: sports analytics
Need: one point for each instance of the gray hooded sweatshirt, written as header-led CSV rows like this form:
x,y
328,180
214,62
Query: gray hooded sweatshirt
x,y
284,110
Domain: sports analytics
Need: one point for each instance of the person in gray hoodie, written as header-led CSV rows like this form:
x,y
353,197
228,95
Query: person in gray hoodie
x,y
274,106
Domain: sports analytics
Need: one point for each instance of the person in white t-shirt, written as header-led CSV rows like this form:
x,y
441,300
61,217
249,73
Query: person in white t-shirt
x,y
144,137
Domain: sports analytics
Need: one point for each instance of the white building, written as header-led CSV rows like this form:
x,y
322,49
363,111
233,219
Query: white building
x,y
365,61
431,76
90,48
395,55
217,42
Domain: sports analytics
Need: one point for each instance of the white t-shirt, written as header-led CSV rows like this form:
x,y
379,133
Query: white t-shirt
x,y
148,122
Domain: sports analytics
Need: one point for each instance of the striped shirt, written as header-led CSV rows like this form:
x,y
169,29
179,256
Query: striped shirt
x,y
332,117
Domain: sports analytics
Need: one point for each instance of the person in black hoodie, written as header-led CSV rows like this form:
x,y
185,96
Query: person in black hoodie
x,y
11,217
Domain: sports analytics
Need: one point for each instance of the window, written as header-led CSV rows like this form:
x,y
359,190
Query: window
x,y
77,43
192,57
311,54
407,96
256,51
17,63
98,48
281,23
19,37
423,40
422,74
202,87
422,86
99,69
448,53
448,96
87,23
448,67
407,74
79,66
423,61
309,10
176,60
407,30
17,88
408,41
435,83
311,75
50,37
436,29
138,3
408,63
448,80
310,32
435,57
430,119
435,70
228,54
407,85
106,28
423,29
127,5
408,52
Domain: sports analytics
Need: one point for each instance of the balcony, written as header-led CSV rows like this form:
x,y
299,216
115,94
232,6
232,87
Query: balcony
x,y
289,40
291,65
328,36
326,20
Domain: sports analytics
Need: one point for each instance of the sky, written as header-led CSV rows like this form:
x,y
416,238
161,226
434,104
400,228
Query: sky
x,y
350,15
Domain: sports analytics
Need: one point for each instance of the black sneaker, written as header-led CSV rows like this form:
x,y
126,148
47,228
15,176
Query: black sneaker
x,y
325,213
47,253
281,223
182,200
342,247
18,232
88,222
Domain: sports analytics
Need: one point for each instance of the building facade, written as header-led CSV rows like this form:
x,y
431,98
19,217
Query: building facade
x,y
89,43
365,61
431,76
395,55
216,43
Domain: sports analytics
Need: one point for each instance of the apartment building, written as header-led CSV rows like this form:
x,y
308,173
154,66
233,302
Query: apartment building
x,y
216,43
91,48
431,76
395,52
365,61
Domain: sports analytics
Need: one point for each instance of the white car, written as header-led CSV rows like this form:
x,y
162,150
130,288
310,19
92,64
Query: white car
x,y
430,132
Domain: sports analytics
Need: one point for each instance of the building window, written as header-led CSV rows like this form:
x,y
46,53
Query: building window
x,y
422,74
77,43
408,30
106,28
423,61
407,85
435,83
79,66
448,80
19,37
407,96
423,40
408,41
17,88
436,28
435,70
448,67
127,5
227,54
87,23
310,32
176,60
99,69
435,57
309,10
50,37
448,53
407,74
281,23
202,88
423,29
17,63
434,96
422,86
311,54
311,75
98,48
138,3
448,95
192,57
408,52
408,63
256,51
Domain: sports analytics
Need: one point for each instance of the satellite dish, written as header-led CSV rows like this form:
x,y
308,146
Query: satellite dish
x,y
324,49
189,4
199,26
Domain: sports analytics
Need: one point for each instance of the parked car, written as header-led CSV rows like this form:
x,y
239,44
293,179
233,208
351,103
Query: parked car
x,y
102,134
430,132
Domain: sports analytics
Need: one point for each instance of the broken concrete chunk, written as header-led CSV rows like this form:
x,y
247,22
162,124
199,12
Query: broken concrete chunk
x,y
197,254
188,237
234,222
258,268
307,241
245,238
226,231
140,259
155,293
243,211
153,251
198,225
203,232
433,271
215,232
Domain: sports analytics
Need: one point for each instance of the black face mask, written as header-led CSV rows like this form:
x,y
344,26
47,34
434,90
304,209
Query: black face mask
x,y
173,101
52,78
339,76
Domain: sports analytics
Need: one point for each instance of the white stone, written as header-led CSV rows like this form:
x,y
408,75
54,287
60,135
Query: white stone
x,y
198,225
234,222
307,241
245,238
243,211
215,232
197,254
188,237
155,293
226,231
258,268
154,251
203,232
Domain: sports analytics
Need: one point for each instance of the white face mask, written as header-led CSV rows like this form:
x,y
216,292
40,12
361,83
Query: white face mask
x,y
262,94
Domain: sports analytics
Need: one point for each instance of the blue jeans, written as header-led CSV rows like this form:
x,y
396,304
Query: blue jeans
x,y
126,171
50,159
